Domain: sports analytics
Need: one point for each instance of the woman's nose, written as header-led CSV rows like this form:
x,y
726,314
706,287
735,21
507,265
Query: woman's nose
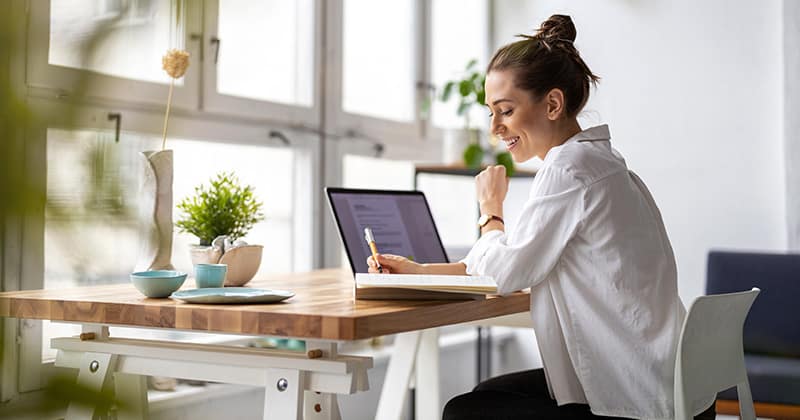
x,y
495,127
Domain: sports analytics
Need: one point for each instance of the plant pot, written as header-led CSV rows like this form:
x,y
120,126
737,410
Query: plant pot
x,y
243,263
202,254
155,211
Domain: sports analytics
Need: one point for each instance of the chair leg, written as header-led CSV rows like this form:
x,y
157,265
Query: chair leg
x,y
748,412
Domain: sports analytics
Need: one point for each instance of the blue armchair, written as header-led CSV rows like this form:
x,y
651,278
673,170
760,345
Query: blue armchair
x,y
771,332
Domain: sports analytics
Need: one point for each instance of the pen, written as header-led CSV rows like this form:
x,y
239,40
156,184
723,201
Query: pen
x,y
371,241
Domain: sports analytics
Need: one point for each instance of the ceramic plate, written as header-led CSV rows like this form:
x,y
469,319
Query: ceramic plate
x,y
231,295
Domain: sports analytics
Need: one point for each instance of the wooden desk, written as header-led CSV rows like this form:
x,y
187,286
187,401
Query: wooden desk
x,y
323,311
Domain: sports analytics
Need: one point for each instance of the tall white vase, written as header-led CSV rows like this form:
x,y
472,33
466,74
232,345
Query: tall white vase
x,y
155,211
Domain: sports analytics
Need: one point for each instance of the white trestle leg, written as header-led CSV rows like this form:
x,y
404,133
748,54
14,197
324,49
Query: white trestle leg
x,y
427,376
283,399
398,376
94,374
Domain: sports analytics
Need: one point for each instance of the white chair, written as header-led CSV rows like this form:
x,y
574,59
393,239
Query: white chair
x,y
710,357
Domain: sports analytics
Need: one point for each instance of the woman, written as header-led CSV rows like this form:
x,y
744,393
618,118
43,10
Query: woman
x,y
590,245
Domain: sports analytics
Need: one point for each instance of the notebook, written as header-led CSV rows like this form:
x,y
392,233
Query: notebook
x,y
402,224
413,286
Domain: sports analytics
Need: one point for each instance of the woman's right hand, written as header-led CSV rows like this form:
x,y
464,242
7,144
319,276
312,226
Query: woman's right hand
x,y
394,264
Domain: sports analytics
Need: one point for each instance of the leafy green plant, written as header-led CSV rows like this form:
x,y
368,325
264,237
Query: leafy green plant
x,y
224,208
467,90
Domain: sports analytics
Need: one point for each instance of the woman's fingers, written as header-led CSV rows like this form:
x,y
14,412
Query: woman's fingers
x,y
389,263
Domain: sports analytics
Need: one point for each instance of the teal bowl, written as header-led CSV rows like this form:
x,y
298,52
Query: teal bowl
x,y
158,283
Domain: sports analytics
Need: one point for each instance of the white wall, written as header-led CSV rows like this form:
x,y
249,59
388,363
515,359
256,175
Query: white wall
x,y
692,92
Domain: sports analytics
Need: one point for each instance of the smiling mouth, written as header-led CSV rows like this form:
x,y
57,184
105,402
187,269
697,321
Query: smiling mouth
x,y
511,142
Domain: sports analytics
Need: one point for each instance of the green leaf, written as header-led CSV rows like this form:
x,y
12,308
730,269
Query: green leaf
x,y
473,156
481,97
465,87
471,63
463,107
448,89
505,159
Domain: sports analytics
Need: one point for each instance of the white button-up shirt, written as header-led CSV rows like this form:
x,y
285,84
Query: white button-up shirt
x,y
592,247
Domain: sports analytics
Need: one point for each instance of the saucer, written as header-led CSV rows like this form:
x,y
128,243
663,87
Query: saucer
x,y
231,295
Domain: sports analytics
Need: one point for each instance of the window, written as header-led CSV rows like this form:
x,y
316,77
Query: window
x,y
111,49
118,38
379,59
458,36
262,60
271,55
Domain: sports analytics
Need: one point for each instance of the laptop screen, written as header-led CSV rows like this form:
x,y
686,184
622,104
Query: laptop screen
x,y
401,222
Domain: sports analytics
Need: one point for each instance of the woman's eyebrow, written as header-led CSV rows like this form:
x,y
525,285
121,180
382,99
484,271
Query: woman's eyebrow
x,y
501,100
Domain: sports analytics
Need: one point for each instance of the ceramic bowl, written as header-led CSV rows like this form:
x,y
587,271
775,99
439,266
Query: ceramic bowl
x,y
243,262
158,283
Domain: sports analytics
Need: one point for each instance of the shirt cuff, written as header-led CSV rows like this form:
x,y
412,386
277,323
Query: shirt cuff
x,y
479,250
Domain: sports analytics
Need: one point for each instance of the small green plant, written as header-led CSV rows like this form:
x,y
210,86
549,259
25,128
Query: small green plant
x,y
470,92
469,89
225,208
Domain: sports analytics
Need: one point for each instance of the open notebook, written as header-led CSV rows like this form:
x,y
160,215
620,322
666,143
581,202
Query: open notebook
x,y
412,286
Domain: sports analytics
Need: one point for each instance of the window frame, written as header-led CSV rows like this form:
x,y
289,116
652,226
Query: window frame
x,y
61,81
295,115
345,125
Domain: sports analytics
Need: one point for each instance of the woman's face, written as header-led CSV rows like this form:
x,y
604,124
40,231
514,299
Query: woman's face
x,y
517,119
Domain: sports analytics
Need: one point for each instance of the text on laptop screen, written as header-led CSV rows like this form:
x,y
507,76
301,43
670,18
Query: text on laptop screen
x,y
401,223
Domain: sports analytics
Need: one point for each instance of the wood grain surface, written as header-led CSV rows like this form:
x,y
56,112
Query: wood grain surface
x,y
323,307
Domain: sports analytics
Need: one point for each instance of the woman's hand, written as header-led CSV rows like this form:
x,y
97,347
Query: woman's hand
x,y
394,264
491,186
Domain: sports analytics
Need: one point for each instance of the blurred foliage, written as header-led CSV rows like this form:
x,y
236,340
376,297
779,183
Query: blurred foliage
x,y
225,208
63,388
21,194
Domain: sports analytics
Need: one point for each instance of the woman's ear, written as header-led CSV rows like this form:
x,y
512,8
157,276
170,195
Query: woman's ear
x,y
556,104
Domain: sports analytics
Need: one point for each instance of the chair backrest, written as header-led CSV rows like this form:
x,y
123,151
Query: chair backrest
x,y
771,327
710,357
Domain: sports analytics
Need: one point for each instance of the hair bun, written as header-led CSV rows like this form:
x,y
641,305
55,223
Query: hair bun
x,y
557,28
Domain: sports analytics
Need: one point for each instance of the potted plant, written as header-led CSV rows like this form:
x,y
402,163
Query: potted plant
x,y
220,215
468,90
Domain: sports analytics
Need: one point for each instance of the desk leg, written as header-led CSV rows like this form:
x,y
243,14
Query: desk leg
x,y
131,394
320,406
283,399
398,376
94,374
427,377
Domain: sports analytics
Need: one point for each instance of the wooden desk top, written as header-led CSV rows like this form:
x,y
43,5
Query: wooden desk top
x,y
323,307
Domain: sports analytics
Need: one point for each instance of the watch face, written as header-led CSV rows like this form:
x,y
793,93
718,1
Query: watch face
x,y
484,219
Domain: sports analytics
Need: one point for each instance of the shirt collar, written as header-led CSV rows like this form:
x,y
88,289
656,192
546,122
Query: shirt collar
x,y
596,133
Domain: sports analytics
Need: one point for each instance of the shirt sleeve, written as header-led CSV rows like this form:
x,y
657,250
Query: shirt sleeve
x,y
548,221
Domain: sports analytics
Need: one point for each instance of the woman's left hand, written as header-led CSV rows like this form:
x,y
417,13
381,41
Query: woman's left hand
x,y
491,186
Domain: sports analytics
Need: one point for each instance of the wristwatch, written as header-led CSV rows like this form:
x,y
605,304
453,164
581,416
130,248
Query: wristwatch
x,y
486,218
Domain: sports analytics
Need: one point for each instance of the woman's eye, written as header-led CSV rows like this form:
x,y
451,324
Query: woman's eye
x,y
507,113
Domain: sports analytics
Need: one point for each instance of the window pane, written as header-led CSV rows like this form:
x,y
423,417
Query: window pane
x,y
91,231
267,50
130,36
459,35
378,59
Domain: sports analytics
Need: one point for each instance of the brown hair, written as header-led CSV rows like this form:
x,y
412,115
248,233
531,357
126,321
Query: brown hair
x,y
548,60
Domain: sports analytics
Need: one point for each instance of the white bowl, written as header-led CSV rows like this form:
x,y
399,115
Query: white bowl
x,y
243,263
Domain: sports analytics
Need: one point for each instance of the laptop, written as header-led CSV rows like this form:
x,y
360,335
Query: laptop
x,y
401,222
